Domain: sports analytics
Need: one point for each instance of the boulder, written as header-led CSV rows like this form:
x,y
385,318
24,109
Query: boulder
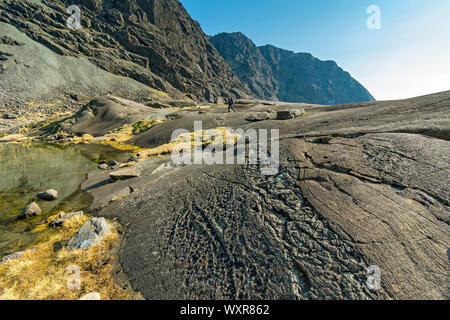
x,y
258,117
289,114
89,234
113,163
10,116
124,174
30,210
15,255
91,296
48,195
61,221
103,166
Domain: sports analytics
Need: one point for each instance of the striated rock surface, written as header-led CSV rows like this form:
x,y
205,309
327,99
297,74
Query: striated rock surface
x,y
361,187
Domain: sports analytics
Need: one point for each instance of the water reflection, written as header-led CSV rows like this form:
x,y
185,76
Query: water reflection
x,y
26,170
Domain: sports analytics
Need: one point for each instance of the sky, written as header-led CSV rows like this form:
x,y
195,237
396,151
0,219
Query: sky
x,y
408,56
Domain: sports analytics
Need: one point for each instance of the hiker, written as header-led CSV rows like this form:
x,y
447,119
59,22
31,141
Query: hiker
x,y
230,104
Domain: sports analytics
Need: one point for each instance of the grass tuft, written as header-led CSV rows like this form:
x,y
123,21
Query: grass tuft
x,y
42,274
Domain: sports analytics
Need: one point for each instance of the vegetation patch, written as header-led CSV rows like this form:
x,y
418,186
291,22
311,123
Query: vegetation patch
x,y
48,272
144,125
188,141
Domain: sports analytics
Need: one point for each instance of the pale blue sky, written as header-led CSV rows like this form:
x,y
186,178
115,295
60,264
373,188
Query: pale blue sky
x,y
409,56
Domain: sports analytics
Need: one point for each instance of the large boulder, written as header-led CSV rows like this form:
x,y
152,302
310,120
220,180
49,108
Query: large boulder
x,y
30,210
61,221
48,195
124,174
258,117
289,114
89,234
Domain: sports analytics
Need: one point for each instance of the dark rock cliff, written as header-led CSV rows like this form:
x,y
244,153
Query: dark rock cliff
x,y
293,77
152,41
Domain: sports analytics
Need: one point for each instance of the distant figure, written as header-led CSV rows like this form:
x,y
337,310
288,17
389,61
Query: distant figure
x,y
230,104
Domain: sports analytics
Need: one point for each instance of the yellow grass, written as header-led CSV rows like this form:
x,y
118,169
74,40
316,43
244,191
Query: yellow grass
x,y
158,93
117,138
188,141
42,274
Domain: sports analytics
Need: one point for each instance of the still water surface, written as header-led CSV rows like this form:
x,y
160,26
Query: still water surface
x,y
27,169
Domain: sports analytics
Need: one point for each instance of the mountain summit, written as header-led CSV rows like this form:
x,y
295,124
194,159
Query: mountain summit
x,y
274,73
154,42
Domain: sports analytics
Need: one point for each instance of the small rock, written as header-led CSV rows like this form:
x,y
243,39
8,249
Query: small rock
x,y
133,159
90,233
75,97
62,220
15,255
113,163
124,174
30,210
289,114
258,117
103,166
48,195
10,116
91,296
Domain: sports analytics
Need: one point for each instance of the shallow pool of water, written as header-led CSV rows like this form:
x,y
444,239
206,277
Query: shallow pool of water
x,y
27,169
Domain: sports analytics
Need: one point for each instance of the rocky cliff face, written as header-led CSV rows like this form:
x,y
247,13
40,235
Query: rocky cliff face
x,y
247,61
288,76
154,42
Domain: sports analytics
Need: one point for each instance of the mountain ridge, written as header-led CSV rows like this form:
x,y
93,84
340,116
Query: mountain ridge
x,y
154,42
293,77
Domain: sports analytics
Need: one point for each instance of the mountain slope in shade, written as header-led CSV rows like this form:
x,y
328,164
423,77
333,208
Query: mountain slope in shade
x,y
154,42
288,76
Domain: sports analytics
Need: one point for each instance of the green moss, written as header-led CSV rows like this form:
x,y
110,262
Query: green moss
x,y
143,125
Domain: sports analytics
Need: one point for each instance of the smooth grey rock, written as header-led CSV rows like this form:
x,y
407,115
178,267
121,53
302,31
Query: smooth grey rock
x,y
48,195
289,114
62,220
124,174
16,255
91,296
258,117
103,166
89,234
30,210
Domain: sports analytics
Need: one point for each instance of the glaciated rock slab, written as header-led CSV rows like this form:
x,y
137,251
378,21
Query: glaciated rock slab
x,y
30,210
89,234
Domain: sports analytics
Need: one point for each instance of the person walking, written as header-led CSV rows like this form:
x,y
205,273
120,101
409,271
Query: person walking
x,y
230,104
